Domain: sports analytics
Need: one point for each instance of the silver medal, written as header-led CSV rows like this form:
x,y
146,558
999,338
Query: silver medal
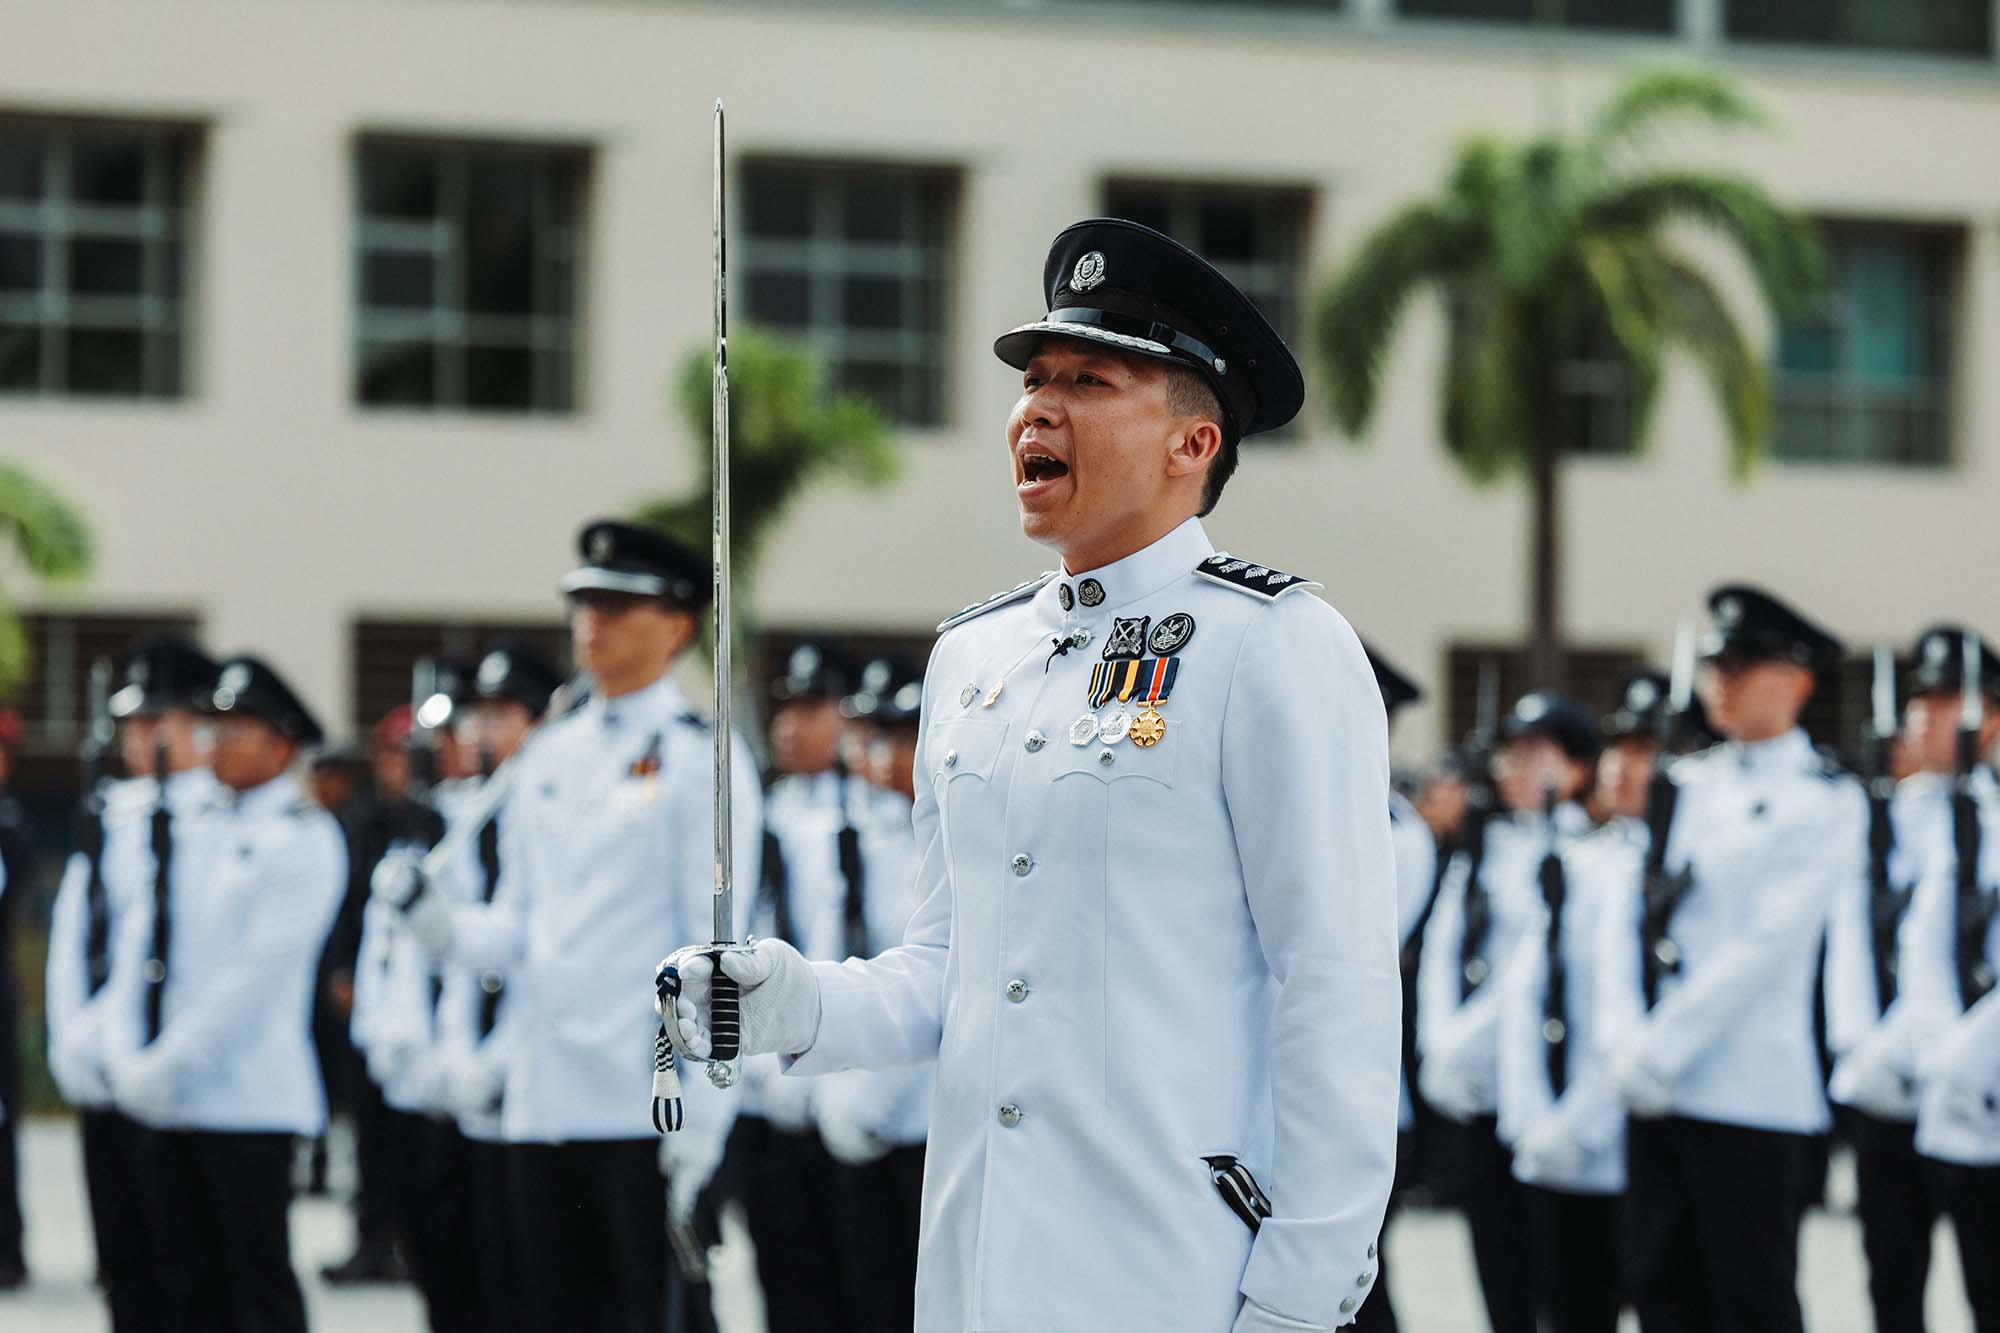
x,y
1084,730
967,695
1115,727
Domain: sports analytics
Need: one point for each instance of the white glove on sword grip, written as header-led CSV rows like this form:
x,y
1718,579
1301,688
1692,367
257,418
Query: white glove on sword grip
x,y
398,881
780,998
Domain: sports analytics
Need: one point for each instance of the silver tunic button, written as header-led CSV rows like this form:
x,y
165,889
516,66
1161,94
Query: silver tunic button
x,y
1017,990
156,971
951,759
1371,1249
1023,863
1105,757
1364,1279
1347,1306
1035,742
1010,1115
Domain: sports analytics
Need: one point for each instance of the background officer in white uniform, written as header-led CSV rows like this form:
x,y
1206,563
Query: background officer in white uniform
x,y
605,860
1155,956
1707,981
1869,1028
1484,906
115,873
213,1025
1945,1027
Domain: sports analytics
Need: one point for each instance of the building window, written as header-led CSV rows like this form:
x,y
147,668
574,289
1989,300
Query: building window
x,y
54,697
1867,378
1611,15
1931,27
1256,236
92,258
1595,382
466,274
851,260
386,652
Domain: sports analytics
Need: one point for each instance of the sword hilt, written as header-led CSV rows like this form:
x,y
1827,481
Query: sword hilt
x,y
725,1025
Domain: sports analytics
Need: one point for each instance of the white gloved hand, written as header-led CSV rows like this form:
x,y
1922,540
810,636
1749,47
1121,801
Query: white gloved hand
x,y
1255,1318
1455,1093
1644,1092
780,997
1549,1152
837,1106
398,883
73,1061
690,1158
146,1087
1863,1080
786,1102
475,1086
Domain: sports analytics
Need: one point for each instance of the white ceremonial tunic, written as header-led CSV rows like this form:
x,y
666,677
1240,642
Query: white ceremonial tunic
x,y
1458,1035
1416,868
258,878
472,1065
1858,1024
1772,834
1941,1034
1126,959
606,867
1598,866
78,1019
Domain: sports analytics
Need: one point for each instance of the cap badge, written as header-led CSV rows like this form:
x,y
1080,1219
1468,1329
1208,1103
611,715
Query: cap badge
x,y
1643,695
1937,650
236,679
600,547
1089,271
1532,708
492,671
1728,611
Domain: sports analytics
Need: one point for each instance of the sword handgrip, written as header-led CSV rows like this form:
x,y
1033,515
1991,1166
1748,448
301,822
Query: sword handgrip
x,y
725,1015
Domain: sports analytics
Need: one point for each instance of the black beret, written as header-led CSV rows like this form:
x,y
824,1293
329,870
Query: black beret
x,y
515,669
1939,653
813,670
1121,285
162,671
890,693
1750,623
249,685
643,562
1556,716
1397,688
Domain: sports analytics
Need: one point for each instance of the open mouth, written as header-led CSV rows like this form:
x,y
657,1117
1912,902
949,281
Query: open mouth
x,y
1040,467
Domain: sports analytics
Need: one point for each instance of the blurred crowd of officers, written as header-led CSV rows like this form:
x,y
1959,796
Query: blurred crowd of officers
x,y
1656,960
491,1031
1653,961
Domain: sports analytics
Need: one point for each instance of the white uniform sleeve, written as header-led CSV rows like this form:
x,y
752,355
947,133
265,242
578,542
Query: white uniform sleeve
x,y
888,1010
493,936
72,1015
1306,777
1618,989
1927,998
1851,994
1416,867
1816,861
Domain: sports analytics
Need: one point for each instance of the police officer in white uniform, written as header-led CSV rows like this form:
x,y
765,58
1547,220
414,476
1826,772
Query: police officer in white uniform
x,y
875,1122
507,695
1705,1001
1485,906
605,858
211,1042
1557,1114
1869,1029
1155,956
114,874
1944,1027
1416,874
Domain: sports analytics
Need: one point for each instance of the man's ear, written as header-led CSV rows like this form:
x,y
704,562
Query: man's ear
x,y
1197,447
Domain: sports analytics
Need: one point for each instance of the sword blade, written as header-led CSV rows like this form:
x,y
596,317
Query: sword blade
x,y
725,924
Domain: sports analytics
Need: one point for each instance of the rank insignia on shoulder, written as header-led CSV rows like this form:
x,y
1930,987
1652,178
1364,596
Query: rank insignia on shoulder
x,y
1249,576
994,603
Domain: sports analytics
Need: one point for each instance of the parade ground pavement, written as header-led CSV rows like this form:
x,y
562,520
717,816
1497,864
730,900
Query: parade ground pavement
x,y
1431,1264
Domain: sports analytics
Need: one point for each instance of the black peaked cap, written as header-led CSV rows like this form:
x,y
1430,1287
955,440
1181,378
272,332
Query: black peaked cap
x,y
162,671
1125,286
1397,688
1557,716
515,669
248,685
1751,623
889,692
1939,653
813,670
643,562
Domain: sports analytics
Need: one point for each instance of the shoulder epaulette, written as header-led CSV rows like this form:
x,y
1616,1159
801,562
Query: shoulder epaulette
x,y
1831,766
1249,576
1013,594
695,720
302,807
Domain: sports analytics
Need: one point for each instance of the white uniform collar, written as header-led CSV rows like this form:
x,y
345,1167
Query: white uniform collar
x,y
1790,753
1095,593
268,798
645,705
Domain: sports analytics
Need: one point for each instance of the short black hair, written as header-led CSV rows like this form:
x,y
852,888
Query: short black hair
x,y
1189,394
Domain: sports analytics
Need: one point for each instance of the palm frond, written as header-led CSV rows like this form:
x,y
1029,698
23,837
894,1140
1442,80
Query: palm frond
x,y
1653,99
1782,250
44,529
1696,319
1356,317
1631,310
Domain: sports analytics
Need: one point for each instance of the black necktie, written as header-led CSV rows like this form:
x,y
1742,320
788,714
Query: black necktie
x,y
489,866
776,888
1472,966
97,903
1555,1025
1975,906
156,964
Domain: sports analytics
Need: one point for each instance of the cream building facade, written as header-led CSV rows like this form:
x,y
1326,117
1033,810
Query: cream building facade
x,y
267,503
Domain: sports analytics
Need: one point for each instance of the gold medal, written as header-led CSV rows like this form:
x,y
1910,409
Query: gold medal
x,y
993,695
1148,727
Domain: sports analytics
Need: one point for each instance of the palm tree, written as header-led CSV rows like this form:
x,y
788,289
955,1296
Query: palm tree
x,y
1541,247
50,542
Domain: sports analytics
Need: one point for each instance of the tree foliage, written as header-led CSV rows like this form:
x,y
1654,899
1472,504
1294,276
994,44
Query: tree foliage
x,y
50,542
